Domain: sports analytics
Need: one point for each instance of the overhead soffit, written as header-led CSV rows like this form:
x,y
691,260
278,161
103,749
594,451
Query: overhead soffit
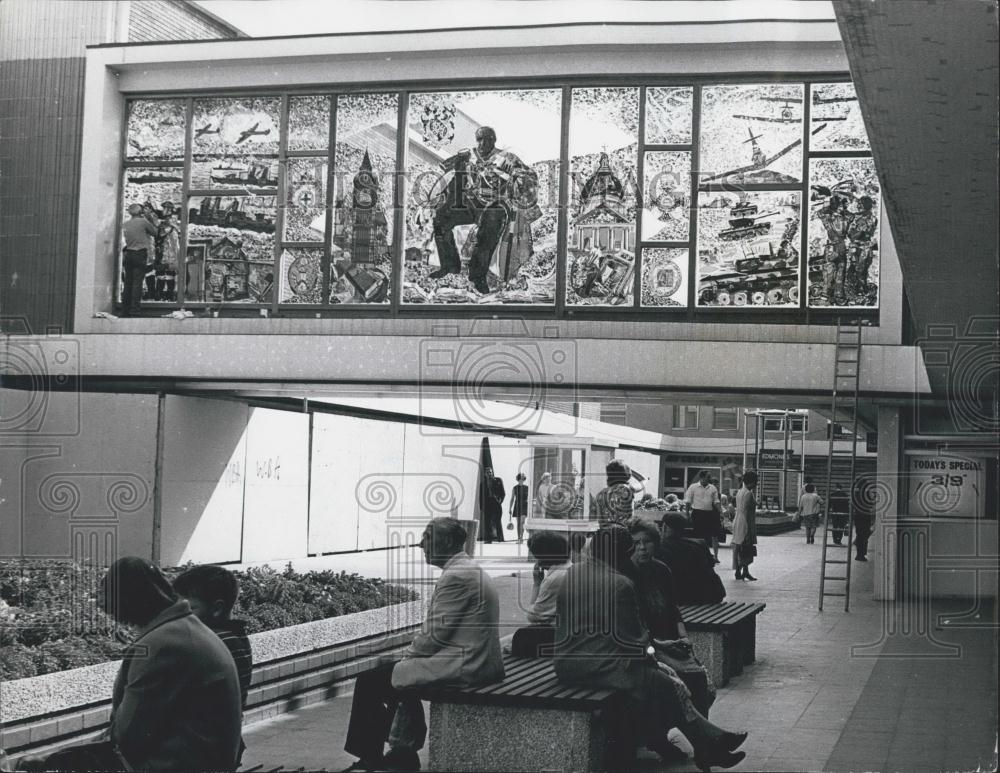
x,y
926,75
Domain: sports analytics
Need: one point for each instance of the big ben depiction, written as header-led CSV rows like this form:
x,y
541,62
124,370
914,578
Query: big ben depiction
x,y
368,239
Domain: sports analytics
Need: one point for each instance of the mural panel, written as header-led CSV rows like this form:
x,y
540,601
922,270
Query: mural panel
x,y
843,233
155,130
667,190
836,118
751,134
305,200
748,249
158,191
237,265
301,276
603,148
664,277
668,115
363,214
235,144
308,123
482,196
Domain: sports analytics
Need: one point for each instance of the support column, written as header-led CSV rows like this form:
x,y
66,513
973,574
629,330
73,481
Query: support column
x,y
889,464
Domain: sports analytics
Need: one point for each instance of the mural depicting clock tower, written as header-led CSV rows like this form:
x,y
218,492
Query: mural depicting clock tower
x,y
368,235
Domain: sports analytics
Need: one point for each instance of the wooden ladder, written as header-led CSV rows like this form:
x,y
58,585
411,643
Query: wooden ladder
x,y
835,567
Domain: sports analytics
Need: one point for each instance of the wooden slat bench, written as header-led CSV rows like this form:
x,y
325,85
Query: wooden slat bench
x,y
527,722
723,635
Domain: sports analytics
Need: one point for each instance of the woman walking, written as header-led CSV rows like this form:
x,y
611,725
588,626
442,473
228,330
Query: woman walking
x,y
745,528
810,506
519,504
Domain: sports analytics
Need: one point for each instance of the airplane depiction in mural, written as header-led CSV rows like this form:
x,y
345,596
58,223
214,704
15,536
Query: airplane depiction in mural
x,y
201,131
252,132
786,114
759,160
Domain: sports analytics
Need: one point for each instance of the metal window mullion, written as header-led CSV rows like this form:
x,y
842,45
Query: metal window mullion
x,y
692,290
399,203
281,201
181,282
562,224
640,173
328,211
805,211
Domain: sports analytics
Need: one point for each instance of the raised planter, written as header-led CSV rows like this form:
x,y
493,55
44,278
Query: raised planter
x,y
292,667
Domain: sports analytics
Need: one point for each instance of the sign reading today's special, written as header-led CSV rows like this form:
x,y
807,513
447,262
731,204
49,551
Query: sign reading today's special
x,y
945,486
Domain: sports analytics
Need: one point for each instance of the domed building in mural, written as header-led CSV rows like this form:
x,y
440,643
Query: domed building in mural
x,y
603,222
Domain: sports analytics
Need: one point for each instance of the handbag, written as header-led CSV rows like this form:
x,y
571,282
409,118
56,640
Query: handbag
x,y
510,525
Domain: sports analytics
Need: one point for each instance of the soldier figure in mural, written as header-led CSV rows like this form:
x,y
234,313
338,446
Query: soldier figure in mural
x,y
495,190
861,232
835,220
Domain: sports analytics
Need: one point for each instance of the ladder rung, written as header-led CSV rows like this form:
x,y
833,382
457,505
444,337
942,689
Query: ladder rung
x,y
834,578
833,594
835,561
834,545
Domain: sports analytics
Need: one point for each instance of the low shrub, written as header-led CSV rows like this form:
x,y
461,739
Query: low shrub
x,y
49,619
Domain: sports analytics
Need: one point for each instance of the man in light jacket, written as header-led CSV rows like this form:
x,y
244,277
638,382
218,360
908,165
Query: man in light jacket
x,y
458,645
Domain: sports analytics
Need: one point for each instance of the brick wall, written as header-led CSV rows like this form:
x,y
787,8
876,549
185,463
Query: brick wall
x,y
171,20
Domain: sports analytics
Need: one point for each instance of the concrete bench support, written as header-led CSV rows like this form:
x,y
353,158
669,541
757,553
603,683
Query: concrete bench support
x,y
470,737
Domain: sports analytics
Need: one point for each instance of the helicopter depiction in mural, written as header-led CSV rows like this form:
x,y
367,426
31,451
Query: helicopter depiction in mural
x,y
201,131
253,131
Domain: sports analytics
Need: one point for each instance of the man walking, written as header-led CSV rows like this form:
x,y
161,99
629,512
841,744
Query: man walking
x,y
458,645
840,507
702,502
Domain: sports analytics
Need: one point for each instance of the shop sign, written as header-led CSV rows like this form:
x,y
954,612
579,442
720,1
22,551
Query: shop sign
x,y
771,458
945,486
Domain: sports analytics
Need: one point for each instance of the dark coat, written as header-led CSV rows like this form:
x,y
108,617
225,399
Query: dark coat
x,y
693,570
176,701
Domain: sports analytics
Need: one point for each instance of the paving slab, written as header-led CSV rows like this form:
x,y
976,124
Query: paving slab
x,y
811,701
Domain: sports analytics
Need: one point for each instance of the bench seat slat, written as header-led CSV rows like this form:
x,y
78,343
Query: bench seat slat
x,y
517,686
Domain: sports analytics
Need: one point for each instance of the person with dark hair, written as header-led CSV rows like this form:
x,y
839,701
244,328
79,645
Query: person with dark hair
x,y
597,599
211,591
175,704
613,503
518,509
551,553
654,585
690,563
702,502
458,645
810,507
744,539
864,497
493,506
840,506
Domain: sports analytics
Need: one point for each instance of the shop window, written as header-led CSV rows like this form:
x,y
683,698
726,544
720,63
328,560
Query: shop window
x,y
667,189
725,418
835,108
308,123
685,417
155,130
305,200
301,276
796,424
664,281
668,115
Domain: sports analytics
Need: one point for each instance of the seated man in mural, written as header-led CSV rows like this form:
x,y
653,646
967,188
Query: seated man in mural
x,y
493,189
458,645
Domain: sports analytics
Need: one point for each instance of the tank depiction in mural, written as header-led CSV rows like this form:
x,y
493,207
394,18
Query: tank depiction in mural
x,y
746,257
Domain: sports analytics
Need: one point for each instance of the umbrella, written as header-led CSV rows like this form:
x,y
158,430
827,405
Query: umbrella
x,y
483,487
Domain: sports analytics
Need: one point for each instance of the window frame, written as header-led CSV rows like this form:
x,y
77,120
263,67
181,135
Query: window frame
x,y
559,310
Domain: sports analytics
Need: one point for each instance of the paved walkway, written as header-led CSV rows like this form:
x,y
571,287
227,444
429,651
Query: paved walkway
x,y
899,687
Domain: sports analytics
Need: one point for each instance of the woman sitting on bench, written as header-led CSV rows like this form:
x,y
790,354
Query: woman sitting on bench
x,y
597,599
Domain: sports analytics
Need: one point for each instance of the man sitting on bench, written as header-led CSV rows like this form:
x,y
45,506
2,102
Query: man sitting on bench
x,y
458,645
